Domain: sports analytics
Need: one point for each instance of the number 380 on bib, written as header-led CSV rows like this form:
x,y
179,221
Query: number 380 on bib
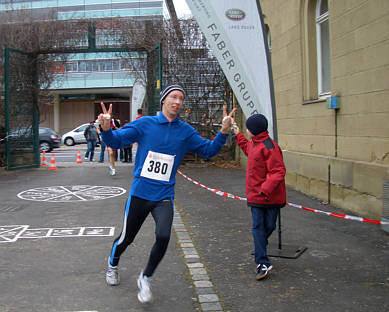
x,y
158,166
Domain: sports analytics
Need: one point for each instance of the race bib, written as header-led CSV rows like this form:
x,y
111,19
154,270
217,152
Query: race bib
x,y
157,166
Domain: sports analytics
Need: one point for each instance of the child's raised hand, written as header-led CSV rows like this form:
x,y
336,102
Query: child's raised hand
x,y
235,127
227,120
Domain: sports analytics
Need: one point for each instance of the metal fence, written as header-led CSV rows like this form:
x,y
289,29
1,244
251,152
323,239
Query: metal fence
x,y
188,61
21,113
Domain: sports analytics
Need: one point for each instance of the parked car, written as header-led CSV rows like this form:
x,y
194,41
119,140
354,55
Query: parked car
x,y
75,136
48,138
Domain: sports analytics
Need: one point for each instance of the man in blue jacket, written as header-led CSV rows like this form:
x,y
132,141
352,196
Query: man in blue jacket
x,y
162,141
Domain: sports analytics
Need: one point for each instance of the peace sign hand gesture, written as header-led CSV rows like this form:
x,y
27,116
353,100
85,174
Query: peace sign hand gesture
x,y
228,120
105,118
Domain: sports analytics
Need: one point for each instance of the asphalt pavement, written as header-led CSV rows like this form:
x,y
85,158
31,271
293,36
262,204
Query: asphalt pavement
x,y
57,228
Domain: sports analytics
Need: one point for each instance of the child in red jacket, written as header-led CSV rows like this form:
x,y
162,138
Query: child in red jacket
x,y
265,185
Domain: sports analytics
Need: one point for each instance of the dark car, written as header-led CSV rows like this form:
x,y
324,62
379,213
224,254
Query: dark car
x,y
48,138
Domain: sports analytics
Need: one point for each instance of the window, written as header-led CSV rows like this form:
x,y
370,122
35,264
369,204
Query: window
x,y
323,48
316,50
82,66
115,64
71,67
106,65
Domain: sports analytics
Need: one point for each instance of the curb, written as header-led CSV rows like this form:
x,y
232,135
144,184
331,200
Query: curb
x,y
202,284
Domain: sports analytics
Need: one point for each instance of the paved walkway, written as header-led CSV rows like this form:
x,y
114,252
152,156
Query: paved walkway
x,y
345,266
55,238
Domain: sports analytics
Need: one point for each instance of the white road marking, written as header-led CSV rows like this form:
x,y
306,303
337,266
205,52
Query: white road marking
x,y
71,193
11,233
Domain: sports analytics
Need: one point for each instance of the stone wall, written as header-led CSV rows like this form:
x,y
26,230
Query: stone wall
x,y
352,185
340,156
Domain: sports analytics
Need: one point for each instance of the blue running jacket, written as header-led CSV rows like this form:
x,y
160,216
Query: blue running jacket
x,y
161,148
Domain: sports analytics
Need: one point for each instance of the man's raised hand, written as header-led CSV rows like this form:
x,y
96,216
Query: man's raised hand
x,y
105,117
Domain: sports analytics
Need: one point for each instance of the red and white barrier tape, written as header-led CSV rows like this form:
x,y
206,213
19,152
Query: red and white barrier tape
x,y
339,215
220,193
332,214
3,139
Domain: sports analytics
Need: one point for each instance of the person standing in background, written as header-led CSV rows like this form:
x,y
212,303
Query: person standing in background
x,y
102,146
91,137
115,125
127,151
140,112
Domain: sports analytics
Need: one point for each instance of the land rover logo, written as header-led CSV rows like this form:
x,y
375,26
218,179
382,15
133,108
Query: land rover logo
x,y
235,14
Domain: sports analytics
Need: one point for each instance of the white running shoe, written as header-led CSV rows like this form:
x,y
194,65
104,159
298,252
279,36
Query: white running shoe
x,y
112,171
144,285
112,275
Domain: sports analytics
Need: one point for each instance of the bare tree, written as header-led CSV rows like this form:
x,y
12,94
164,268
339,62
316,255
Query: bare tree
x,y
191,62
44,40
31,76
186,57
187,60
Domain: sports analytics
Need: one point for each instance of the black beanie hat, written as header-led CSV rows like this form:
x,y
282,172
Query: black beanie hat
x,y
169,89
256,124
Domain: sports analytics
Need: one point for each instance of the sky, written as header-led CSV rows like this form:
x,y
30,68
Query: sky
x,y
182,8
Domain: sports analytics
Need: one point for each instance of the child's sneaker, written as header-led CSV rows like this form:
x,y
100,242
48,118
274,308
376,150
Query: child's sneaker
x,y
144,285
263,271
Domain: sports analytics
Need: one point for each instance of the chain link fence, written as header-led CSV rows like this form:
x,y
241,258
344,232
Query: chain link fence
x,y
21,114
189,61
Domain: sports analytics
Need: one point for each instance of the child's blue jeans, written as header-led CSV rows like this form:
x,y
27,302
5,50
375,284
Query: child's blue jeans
x,y
264,223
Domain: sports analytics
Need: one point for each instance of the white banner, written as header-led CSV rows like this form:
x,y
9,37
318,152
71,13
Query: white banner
x,y
138,94
234,30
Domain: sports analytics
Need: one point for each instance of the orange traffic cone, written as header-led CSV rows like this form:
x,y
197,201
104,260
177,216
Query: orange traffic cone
x,y
78,161
44,160
52,163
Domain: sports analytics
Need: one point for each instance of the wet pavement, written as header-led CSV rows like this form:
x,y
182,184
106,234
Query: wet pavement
x,y
57,228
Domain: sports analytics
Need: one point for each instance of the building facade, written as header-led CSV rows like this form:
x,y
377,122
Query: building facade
x,y
88,78
330,61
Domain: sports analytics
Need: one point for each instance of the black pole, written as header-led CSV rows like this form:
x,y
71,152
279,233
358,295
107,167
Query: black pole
x,y
289,251
279,229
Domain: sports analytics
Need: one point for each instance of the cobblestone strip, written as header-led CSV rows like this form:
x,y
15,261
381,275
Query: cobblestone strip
x,y
208,299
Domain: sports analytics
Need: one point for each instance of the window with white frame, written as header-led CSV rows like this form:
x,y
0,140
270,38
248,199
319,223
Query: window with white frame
x,y
323,48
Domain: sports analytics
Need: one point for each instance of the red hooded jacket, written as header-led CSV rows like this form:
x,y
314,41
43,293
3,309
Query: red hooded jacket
x,y
265,178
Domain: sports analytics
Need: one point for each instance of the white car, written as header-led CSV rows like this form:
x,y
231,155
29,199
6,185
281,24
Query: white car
x,y
75,136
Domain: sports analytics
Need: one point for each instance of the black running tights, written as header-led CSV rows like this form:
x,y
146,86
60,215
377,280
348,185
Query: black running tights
x,y
137,209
